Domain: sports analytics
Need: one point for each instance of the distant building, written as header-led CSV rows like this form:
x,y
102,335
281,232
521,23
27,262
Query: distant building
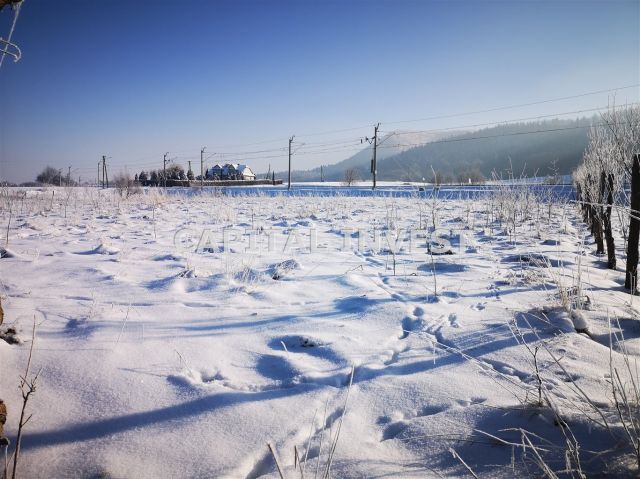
x,y
231,171
215,172
245,173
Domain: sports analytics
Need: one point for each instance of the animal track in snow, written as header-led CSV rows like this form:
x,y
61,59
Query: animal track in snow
x,y
395,428
395,355
479,306
409,325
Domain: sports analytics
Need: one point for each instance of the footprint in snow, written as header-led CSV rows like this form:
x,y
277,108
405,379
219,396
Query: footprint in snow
x,y
471,401
395,355
410,325
395,427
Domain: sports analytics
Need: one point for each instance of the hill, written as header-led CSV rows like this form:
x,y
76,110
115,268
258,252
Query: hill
x,y
532,148
394,144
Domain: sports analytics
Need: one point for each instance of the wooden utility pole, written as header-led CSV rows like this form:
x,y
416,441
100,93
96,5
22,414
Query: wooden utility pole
x,y
105,177
290,141
164,169
202,166
374,161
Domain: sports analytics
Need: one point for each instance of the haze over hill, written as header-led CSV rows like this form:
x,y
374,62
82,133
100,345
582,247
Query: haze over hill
x,y
394,143
533,148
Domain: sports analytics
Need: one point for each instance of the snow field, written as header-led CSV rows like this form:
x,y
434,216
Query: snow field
x,y
162,361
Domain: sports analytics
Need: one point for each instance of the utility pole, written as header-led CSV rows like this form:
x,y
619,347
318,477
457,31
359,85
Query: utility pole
x,y
105,178
290,141
164,169
374,162
202,166
98,180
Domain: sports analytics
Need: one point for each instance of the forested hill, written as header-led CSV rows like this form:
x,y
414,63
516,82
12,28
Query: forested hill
x,y
559,142
531,148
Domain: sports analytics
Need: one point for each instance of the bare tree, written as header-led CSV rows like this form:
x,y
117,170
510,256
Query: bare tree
x,y
125,185
350,177
623,127
611,161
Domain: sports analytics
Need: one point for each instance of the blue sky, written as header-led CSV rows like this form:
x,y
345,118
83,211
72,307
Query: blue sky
x,y
135,79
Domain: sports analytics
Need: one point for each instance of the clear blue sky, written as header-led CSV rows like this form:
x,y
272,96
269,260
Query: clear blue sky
x,y
134,79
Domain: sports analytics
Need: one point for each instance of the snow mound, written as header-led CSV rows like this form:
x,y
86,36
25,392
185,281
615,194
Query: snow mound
x,y
579,321
102,248
195,379
280,270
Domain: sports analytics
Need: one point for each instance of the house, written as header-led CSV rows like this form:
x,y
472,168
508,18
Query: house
x,y
231,171
215,172
245,173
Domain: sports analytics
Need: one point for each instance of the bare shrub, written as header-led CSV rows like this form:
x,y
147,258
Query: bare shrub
x,y
350,177
125,185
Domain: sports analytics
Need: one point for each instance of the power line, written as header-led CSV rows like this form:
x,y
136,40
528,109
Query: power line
x,y
507,122
439,117
520,105
352,144
451,140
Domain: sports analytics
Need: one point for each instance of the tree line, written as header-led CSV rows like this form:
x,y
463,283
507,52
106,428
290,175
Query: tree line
x,y
157,177
608,181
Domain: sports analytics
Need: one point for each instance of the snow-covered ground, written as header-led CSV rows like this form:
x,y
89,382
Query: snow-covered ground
x,y
170,348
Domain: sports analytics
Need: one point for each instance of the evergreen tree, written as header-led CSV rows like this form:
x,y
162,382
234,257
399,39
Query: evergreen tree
x,y
50,176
